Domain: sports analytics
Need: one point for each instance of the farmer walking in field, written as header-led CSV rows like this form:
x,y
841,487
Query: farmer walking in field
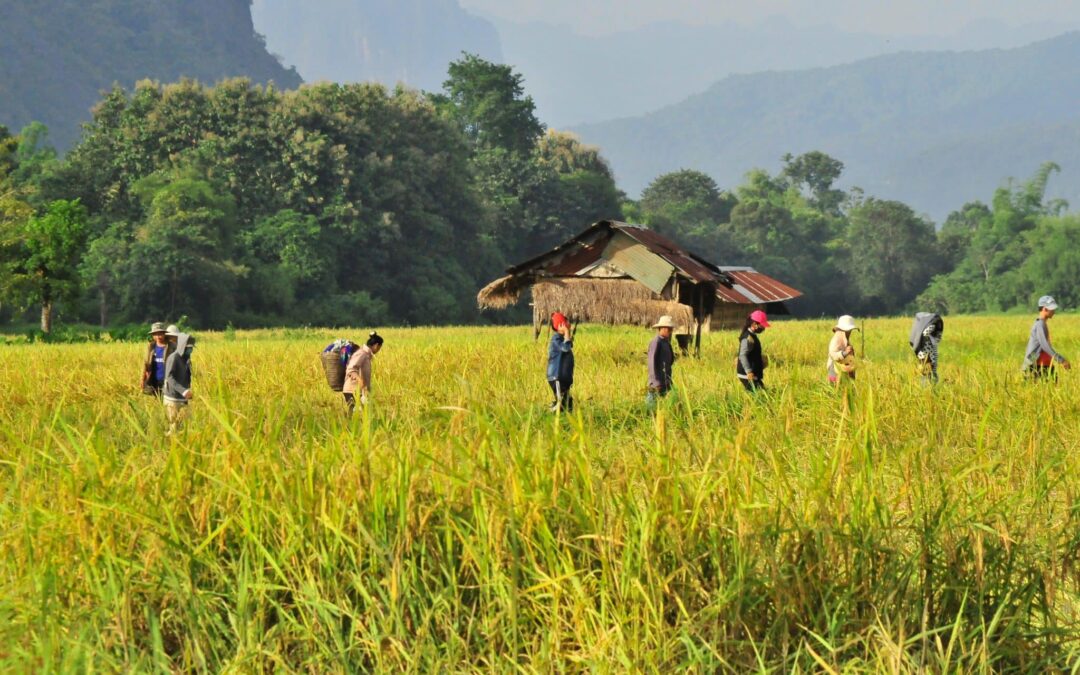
x,y
158,349
926,333
560,363
1039,357
358,372
177,393
661,360
751,364
841,363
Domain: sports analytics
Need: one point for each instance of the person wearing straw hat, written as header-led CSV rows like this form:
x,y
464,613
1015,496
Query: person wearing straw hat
x,y
661,360
750,366
157,351
841,362
1039,357
560,363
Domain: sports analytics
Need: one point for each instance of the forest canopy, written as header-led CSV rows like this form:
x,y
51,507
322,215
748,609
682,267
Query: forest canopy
x,y
241,204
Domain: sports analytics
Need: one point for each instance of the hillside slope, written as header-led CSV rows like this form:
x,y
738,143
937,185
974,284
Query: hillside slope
x,y
389,41
931,129
57,55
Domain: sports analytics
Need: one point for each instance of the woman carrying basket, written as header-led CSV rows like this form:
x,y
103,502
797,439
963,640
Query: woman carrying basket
x,y
358,372
841,362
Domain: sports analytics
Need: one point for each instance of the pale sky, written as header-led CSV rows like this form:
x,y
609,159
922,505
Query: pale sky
x,y
914,17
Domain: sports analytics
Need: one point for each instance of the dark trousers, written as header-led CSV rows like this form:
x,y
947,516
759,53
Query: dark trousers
x,y
753,385
1043,373
567,402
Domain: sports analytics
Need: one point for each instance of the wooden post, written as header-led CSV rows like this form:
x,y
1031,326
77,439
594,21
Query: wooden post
x,y
699,317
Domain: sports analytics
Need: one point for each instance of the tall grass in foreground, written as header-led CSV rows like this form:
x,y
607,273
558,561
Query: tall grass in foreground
x,y
456,526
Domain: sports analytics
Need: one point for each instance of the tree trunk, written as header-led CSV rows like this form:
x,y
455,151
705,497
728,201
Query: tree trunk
x,y
103,308
46,317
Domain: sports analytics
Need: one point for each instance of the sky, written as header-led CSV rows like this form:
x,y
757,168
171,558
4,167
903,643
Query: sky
x,y
896,17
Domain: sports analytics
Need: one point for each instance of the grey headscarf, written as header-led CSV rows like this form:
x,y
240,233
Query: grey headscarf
x,y
924,320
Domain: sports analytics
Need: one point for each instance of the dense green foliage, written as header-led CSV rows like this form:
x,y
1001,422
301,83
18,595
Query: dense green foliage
x,y
458,527
327,205
850,253
1009,254
239,204
58,55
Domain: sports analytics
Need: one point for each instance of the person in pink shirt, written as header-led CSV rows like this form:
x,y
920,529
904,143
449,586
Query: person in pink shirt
x,y
358,372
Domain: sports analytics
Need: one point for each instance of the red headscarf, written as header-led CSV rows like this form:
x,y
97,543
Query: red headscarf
x,y
558,320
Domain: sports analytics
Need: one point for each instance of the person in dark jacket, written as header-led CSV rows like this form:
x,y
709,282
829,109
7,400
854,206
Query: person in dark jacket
x,y
159,348
750,366
560,363
661,360
926,332
176,392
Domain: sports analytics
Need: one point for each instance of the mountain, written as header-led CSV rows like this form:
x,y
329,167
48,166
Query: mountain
x,y
930,129
389,41
578,79
56,56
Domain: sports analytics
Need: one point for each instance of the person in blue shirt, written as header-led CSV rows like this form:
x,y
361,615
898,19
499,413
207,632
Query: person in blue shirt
x,y
153,377
560,364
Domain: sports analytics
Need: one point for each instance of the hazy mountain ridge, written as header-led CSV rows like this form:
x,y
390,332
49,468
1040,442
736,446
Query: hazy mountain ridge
x,y
56,56
389,41
881,116
578,79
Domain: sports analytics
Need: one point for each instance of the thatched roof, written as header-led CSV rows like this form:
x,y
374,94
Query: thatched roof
x,y
609,301
503,292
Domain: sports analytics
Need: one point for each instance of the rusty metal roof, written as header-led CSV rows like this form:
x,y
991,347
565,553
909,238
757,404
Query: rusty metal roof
x,y
586,248
750,287
739,285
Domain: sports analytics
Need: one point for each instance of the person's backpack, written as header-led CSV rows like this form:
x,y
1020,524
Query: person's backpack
x,y
334,359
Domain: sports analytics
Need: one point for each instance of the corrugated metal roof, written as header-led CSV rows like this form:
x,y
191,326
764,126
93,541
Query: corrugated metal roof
x,y
638,262
750,287
689,264
740,285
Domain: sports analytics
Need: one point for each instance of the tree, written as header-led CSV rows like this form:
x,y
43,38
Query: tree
x,y
989,275
893,254
816,172
958,230
46,269
687,195
181,258
488,103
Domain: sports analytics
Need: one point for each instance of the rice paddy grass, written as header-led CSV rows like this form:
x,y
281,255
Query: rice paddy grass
x,y
455,525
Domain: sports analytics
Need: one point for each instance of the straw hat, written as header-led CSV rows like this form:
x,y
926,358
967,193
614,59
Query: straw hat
x,y
845,323
665,322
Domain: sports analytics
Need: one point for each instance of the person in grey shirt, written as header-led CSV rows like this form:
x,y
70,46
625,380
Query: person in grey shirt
x,y
1039,357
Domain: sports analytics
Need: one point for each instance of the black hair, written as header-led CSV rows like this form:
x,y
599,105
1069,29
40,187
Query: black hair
x,y
374,339
749,322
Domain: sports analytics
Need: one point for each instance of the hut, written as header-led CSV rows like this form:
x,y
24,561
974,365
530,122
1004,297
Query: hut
x,y
617,273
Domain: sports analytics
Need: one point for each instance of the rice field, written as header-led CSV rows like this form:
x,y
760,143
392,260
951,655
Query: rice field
x,y
457,526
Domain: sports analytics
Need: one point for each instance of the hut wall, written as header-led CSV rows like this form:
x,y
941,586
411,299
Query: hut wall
x,y
608,301
729,316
